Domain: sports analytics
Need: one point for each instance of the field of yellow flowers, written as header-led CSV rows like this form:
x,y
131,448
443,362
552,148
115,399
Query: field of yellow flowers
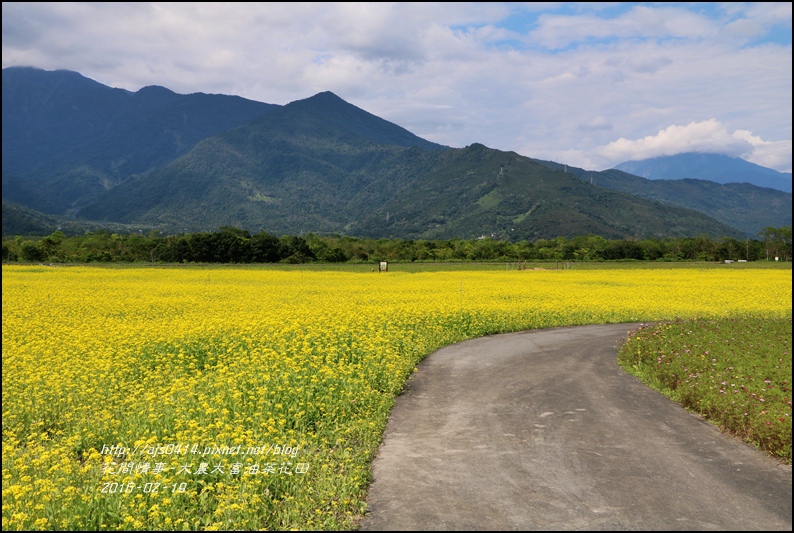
x,y
190,398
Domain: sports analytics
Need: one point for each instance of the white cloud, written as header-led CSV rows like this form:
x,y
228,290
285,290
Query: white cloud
x,y
596,123
770,154
560,31
558,81
709,136
706,136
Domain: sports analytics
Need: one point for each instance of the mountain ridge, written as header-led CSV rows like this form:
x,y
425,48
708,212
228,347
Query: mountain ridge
x,y
715,167
62,147
318,164
747,207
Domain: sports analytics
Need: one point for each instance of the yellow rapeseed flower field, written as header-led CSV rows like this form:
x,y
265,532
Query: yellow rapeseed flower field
x,y
170,398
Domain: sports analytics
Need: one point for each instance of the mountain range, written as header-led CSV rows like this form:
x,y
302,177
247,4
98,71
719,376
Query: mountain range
x,y
76,149
710,167
744,206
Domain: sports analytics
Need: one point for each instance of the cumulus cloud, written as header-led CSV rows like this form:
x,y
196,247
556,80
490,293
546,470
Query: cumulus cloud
x,y
709,136
706,136
770,154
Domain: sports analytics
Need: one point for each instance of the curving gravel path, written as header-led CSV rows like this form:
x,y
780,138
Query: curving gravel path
x,y
542,430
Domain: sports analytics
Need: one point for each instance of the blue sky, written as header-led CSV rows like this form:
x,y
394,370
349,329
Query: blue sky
x,y
586,84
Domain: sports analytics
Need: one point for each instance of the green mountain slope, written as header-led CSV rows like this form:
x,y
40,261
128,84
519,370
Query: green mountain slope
x,y
19,220
478,191
67,139
321,165
746,207
304,167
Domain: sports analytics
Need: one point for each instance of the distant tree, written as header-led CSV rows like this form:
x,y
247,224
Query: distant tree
x,y
651,249
728,249
547,250
31,251
139,247
232,245
777,242
51,245
424,250
265,248
584,248
202,248
623,250
488,250
174,249
785,237
671,248
524,250
332,255
406,251
753,249
8,253
294,249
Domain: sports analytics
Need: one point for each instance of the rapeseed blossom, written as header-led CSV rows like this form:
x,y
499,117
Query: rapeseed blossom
x,y
130,395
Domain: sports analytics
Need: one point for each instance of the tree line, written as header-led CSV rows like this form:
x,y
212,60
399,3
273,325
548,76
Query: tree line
x,y
234,245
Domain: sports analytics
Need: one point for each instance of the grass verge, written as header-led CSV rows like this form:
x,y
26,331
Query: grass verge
x,y
735,372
